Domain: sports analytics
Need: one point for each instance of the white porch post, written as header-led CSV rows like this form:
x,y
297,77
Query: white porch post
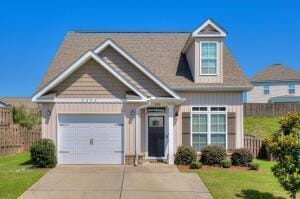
x,y
171,135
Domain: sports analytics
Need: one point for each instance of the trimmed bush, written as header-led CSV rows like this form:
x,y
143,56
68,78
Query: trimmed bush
x,y
43,154
213,154
253,166
241,157
185,155
196,165
225,163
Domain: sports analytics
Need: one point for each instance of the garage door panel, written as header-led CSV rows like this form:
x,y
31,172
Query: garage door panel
x,y
91,139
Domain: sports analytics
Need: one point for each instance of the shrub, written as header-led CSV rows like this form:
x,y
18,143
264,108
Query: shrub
x,y
43,154
195,165
26,118
225,163
213,154
241,157
253,166
185,155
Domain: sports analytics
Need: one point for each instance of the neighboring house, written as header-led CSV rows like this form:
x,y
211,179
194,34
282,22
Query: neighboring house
x,y
277,83
3,103
122,98
20,101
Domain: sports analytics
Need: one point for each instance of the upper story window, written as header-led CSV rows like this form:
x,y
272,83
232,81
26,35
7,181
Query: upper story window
x,y
266,89
291,88
208,58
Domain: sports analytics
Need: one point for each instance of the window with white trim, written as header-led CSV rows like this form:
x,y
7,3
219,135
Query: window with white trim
x,y
208,58
266,89
292,88
209,126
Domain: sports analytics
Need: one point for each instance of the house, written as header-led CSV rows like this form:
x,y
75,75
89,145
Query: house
x,y
124,98
276,83
3,103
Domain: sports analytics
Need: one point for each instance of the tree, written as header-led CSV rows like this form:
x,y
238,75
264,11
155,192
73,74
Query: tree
x,y
284,145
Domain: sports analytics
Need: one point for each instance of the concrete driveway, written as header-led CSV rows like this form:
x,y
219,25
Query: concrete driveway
x,y
117,182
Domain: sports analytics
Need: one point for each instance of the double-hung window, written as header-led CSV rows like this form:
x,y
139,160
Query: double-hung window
x,y
208,58
209,126
291,88
266,89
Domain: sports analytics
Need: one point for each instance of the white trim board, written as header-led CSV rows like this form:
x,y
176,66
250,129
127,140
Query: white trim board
x,y
83,59
214,25
109,42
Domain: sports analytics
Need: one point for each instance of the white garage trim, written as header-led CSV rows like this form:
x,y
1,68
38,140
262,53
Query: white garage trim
x,y
123,119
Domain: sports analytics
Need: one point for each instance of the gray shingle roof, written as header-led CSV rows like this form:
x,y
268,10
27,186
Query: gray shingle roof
x,y
158,52
276,72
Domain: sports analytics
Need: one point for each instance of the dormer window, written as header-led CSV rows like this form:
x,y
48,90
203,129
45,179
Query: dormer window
x,y
208,58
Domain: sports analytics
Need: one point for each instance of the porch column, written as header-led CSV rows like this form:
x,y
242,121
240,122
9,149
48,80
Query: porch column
x,y
171,135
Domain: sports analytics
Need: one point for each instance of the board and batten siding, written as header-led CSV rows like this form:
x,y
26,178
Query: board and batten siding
x,y
49,124
132,73
232,100
91,80
256,95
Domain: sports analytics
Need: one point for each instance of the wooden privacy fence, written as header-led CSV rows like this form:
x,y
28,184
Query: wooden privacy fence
x,y
270,109
256,146
5,116
15,139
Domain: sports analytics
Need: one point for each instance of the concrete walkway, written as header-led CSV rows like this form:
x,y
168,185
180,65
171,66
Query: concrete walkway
x,y
117,182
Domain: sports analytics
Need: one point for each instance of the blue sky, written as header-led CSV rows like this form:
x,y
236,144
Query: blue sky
x,y
259,32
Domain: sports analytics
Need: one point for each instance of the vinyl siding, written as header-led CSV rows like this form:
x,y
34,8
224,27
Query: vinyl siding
x,y
132,74
256,95
190,55
91,80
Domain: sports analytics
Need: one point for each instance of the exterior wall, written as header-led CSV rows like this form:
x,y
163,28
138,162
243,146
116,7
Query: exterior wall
x,y
132,74
233,100
91,80
256,95
49,124
190,55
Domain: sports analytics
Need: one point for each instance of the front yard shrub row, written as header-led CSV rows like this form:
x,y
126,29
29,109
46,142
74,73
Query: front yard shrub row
x,y
214,155
43,154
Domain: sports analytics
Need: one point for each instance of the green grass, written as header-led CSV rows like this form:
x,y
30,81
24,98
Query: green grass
x,y
228,184
12,183
260,126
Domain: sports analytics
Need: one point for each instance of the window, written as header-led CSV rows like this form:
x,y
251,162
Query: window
x,y
266,89
208,65
291,88
209,126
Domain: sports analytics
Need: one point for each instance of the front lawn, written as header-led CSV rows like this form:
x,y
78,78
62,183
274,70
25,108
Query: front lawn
x,y
227,184
13,183
260,126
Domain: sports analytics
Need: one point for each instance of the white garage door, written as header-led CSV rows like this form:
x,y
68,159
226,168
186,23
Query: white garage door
x,y
90,139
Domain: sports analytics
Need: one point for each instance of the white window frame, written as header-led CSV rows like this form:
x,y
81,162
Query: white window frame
x,y
264,89
208,113
292,86
217,58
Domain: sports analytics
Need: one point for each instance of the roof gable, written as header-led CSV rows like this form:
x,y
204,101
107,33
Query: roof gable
x,y
82,60
209,29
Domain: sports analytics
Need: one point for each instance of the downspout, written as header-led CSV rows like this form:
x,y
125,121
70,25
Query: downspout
x,y
137,111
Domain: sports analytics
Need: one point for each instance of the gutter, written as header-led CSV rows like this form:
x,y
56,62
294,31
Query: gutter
x,y
137,128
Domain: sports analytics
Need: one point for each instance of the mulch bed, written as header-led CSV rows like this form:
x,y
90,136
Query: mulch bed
x,y
205,167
